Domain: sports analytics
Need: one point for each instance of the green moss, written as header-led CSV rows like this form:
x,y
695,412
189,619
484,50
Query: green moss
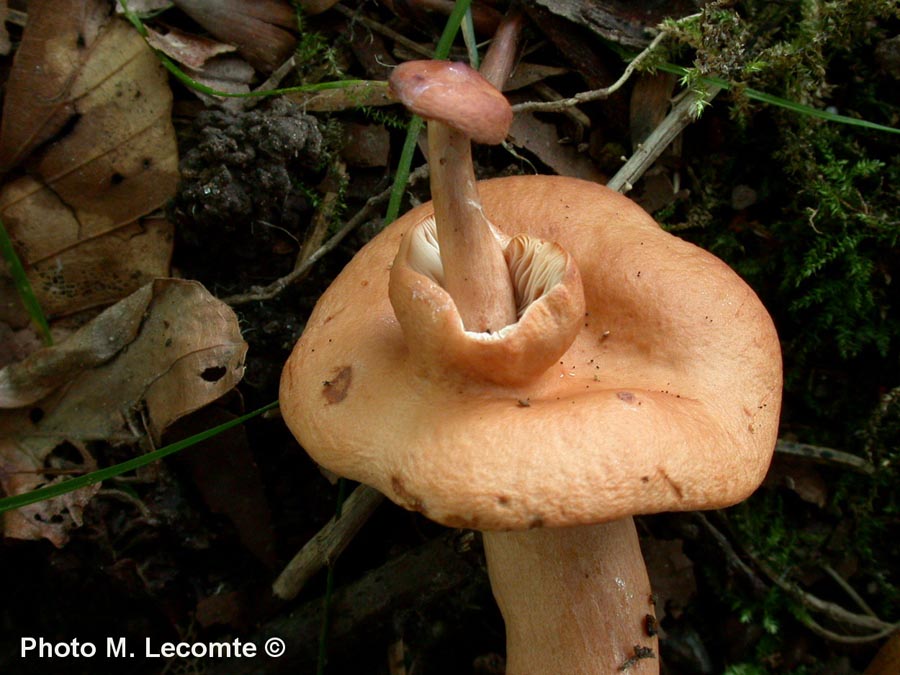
x,y
820,246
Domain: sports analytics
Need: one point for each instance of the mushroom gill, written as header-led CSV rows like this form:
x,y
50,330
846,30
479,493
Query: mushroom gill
x,y
535,266
550,308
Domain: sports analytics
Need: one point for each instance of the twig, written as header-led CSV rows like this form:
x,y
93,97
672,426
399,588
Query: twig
x,y
759,586
682,114
323,216
848,589
130,499
320,221
328,543
272,82
273,289
824,455
833,611
548,93
823,632
594,94
16,17
384,30
396,657
879,628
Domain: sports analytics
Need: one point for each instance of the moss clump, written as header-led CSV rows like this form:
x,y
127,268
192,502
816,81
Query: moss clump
x,y
819,242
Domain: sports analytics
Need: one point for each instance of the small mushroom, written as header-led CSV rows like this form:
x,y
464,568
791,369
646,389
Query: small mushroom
x,y
460,105
651,372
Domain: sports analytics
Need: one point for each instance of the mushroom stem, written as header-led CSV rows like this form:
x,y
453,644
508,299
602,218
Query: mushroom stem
x,y
475,271
500,58
574,599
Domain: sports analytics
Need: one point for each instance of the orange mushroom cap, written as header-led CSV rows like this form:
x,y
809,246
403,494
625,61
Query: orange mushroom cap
x,y
665,395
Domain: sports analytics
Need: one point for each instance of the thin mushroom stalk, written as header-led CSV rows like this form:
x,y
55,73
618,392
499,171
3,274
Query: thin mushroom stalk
x,y
475,273
474,269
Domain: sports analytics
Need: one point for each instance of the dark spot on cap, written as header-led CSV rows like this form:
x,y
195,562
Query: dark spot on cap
x,y
536,521
116,178
404,497
676,488
335,388
503,500
214,373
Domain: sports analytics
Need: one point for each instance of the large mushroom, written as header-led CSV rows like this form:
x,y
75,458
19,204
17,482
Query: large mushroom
x,y
635,373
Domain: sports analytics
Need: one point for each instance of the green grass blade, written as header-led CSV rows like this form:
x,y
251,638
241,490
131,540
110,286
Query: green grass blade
x,y
322,656
57,489
451,28
441,51
468,33
398,189
770,99
23,286
190,82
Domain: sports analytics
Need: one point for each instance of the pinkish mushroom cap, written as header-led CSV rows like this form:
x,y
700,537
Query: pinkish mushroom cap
x,y
454,94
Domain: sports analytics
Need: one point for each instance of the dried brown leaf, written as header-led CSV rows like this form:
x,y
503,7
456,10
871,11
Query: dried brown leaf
x,y
40,93
112,159
256,28
17,343
97,342
228,73
542,139
887,660
801,477
527,74
671,576
366,145
23,468
102,270
181,349
190,50
226,476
